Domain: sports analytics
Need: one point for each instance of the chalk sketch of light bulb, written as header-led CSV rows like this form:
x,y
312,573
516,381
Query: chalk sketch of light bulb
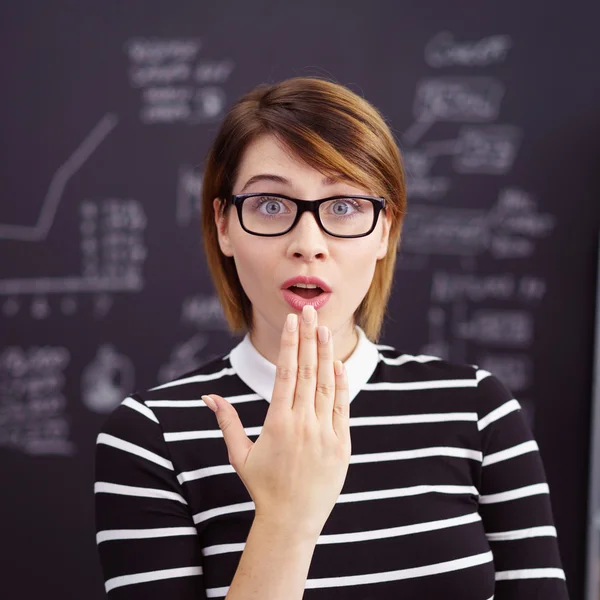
x,y
107,380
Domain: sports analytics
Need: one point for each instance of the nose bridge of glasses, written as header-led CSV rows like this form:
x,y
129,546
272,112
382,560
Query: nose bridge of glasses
x,y
309,215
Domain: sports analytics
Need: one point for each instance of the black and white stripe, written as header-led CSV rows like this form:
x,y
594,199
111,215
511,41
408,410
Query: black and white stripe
x,y
445,495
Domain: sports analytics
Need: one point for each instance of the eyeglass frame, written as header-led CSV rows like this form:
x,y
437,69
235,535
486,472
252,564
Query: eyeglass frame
x,y
311,206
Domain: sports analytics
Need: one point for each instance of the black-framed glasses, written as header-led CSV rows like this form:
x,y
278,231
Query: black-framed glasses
x,y
269,215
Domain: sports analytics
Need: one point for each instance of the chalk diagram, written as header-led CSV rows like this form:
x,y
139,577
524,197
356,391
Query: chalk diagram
x,y
106,380
481,146
509,229
112,251
184,358
39,231
461,323
204,313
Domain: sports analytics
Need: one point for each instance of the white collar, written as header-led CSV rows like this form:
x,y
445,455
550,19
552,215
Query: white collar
x,y
259,374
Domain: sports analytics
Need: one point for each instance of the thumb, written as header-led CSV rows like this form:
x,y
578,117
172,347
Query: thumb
x,y
237,442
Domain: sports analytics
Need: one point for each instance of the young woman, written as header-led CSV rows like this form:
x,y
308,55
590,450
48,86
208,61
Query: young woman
x,y
335,466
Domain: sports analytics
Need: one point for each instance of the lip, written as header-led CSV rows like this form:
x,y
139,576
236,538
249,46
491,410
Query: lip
x,y
306,280
297,302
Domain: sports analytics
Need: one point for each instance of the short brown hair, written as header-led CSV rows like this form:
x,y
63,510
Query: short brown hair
x,y
333,130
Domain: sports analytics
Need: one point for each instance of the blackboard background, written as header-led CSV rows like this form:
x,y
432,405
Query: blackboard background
x,y
95,183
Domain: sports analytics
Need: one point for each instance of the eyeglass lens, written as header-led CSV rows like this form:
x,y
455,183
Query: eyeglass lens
x,y
341,216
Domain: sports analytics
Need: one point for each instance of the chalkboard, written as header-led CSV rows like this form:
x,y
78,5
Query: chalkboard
x,y
109,109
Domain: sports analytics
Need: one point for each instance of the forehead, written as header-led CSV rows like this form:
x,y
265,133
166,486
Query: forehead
x,y
267,150
267,154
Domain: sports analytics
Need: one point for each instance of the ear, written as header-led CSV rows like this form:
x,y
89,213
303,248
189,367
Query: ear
x,y
222,222
385,236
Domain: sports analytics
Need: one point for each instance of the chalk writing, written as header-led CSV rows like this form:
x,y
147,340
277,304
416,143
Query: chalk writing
x,y
487,149
512,328
33,417
188,195
177,85
444,51
448,287
204,312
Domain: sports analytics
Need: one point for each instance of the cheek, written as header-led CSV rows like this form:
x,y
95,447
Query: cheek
x,y
359,266
363,254
254,263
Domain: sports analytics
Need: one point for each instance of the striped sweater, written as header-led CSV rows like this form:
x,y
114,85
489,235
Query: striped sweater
x,y
445,495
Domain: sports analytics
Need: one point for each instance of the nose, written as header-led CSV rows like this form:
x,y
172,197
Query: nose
x,y
307,238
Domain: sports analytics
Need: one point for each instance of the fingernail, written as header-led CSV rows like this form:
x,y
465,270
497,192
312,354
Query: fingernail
x,y
210,403
339,367
291,322
308,313
323,334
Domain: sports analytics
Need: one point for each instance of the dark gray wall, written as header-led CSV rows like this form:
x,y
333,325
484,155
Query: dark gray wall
x,y
108,111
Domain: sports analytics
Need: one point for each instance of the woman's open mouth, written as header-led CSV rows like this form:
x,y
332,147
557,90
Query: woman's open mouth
x,y
297,297
306,292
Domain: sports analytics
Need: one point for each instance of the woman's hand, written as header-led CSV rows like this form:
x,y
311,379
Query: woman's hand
x,y
295,470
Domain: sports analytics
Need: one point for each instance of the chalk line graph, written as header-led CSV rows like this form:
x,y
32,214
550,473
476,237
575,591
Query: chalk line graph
x,y
39,231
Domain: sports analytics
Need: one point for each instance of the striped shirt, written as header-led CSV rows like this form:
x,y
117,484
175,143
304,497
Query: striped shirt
x,y
445,495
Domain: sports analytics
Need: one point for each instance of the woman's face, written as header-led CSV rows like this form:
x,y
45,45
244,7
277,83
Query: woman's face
x,y
264,263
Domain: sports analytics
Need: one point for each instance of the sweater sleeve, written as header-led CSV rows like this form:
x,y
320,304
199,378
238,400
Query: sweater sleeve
x,y
145,534
514,501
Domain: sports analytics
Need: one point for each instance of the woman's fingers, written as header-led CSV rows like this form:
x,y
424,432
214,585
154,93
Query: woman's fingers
x,y
325,390
304,398
237,442
306,379
341,407
287,366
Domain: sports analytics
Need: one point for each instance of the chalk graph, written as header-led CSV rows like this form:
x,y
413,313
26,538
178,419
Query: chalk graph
x,y
39,231
102,273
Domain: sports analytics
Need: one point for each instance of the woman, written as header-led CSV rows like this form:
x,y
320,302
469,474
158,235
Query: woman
x,y
397,476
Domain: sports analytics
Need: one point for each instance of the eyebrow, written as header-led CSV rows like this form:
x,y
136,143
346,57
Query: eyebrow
x,y
329,180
